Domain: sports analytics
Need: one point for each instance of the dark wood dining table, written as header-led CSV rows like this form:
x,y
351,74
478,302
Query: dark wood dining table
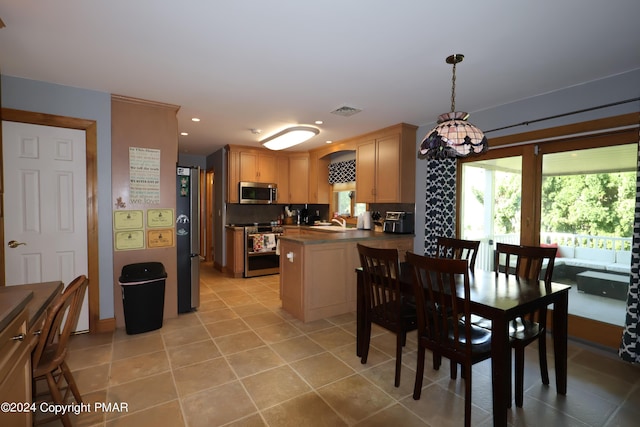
x,y
500,298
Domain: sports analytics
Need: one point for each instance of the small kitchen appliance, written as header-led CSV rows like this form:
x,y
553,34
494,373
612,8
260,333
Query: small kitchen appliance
x,y
257,193
398,222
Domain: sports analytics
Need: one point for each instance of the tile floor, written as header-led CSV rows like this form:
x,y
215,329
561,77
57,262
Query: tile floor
x,y
240,360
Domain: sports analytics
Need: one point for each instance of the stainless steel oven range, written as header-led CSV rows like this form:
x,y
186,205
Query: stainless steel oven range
x,y
260,257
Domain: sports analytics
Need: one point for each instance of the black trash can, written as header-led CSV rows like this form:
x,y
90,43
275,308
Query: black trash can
x,y
143,296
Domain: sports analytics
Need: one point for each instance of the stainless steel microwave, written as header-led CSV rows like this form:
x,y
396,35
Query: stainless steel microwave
x,y
257,193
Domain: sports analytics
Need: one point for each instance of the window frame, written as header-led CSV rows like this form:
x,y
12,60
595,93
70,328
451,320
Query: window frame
x,y
610,131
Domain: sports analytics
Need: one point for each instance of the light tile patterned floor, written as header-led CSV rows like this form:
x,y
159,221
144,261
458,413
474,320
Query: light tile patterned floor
x,y
242,361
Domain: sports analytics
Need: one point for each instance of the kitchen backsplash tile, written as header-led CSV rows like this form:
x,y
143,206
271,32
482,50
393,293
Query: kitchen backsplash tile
x,y
247,214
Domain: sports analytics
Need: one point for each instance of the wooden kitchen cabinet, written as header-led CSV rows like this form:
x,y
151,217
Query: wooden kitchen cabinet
x,y
256,166
386,166
283,179
233,176
248,164
319,188
309,290
366,171
15,370
299,178
235,251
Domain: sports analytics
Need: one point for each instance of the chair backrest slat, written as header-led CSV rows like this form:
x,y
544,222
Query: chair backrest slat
x,y
435,283
529,261
458,249
381,283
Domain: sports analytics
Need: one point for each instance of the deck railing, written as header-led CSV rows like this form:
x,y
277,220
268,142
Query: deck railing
x,y
484,258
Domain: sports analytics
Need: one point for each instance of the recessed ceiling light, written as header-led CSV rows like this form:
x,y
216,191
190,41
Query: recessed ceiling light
x,y
195,119
184,133
319,122
329,141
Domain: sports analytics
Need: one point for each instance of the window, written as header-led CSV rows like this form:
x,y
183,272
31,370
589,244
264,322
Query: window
x,y
491,204
344,200
587,209
575,195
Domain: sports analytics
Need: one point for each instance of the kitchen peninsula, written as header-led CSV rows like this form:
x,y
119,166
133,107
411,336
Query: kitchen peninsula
x,y
317,268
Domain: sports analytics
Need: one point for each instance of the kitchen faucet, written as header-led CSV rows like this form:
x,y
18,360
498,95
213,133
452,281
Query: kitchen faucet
x,y
341,221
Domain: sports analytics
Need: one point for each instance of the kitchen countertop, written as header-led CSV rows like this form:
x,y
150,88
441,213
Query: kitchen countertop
x,y
36,297
234,227
327,236
11,304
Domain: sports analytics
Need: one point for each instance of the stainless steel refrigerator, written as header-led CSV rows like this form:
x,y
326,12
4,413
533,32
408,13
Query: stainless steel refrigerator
x,y
188,237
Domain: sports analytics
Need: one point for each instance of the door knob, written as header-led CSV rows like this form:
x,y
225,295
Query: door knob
x,y
13,244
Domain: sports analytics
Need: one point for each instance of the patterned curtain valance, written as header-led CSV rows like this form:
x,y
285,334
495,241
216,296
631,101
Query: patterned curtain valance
x,y
342,171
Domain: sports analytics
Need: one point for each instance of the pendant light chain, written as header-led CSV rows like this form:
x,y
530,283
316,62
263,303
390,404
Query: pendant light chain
x,y
453,87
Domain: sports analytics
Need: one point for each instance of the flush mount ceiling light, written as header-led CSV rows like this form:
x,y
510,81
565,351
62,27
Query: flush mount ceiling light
x,y
289,137
454,136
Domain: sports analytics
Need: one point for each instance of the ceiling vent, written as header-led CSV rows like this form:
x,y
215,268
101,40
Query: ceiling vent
x,y
346,111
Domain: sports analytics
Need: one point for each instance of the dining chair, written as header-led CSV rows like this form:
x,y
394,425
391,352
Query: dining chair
x,y
384,305
48,357
527,262
437,283
453,248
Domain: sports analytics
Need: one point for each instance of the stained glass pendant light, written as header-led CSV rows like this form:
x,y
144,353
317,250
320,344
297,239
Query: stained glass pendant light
x,y
454,136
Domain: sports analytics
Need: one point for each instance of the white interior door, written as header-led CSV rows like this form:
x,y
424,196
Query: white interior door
x,y
45,205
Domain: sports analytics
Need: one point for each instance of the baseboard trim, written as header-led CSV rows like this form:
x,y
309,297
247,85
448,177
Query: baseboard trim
x,y
591,331
604,334
105,325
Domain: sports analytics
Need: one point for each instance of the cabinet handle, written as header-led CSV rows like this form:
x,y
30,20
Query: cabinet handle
x,y
19,337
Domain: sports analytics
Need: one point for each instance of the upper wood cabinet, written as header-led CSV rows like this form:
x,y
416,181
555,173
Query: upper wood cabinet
x,y
248,164
257,167
366,171
386,166
233,175
282,164
299,178
319,188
